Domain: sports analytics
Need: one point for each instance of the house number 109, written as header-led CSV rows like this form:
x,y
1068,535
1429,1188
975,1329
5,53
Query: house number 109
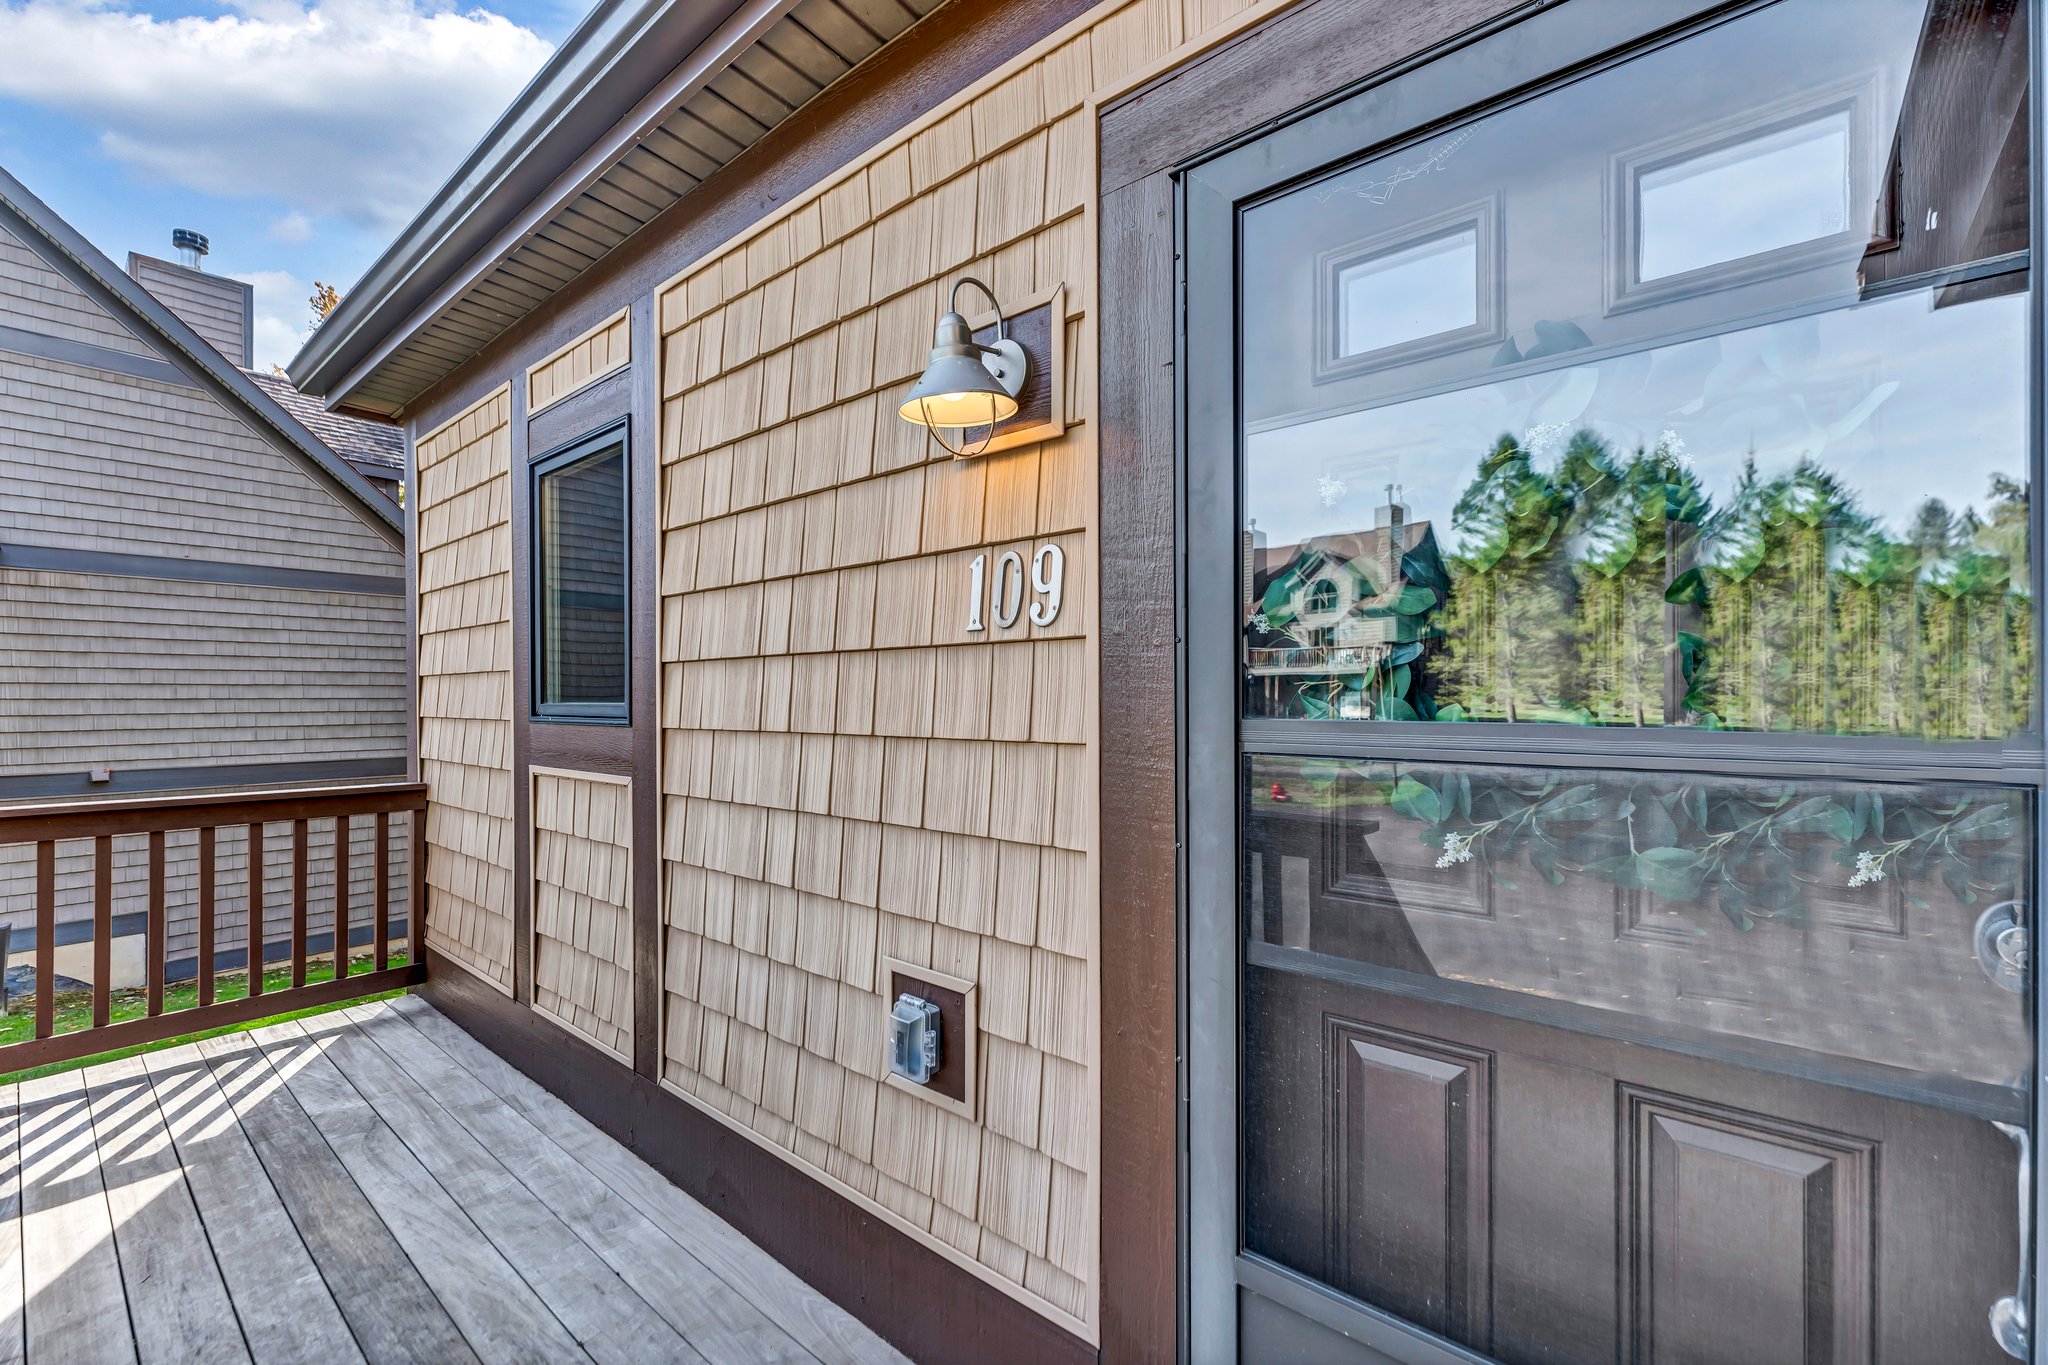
x,y
1048,577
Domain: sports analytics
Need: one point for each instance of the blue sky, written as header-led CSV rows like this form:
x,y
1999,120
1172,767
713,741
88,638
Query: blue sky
x,y
299,135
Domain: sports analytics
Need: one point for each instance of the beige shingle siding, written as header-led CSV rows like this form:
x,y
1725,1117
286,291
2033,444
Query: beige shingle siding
x,y
583,905
604,349
96,461
36,298
465,624
210,305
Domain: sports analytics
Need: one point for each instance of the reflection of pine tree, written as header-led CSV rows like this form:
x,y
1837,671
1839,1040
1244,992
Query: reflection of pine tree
x,y
1768,611
1610,590
1506,655
1617,544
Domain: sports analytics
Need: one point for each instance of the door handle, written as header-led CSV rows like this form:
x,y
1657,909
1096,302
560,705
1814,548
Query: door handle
x,y
2003,950
2009,1314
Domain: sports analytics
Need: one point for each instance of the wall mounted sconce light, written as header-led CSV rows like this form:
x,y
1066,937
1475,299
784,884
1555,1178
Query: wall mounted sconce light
x,y
967,384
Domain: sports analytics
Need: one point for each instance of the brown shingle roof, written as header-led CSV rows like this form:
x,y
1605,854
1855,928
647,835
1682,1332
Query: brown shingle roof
x,y
376,449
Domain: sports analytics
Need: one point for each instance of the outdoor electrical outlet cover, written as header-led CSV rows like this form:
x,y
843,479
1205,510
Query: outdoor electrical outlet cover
x,y
954,1085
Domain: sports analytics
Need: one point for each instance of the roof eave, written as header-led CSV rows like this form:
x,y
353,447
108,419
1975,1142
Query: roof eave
x,y
611,82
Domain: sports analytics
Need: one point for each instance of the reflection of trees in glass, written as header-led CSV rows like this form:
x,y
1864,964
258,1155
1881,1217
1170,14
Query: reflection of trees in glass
x,y
1612,590
1753,849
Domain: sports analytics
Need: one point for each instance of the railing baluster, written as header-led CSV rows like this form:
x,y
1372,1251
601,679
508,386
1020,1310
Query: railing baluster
x,y
341,852
206,915
416,911
102,929
46,937
153,964
298,903
256,909
380,933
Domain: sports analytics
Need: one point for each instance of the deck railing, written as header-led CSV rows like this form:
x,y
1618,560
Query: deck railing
x,y
102,822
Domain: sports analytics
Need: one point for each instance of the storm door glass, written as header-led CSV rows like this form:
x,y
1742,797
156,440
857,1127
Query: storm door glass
x,y
1581,444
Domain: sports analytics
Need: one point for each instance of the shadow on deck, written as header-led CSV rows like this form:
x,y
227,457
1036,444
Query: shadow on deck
x,y
373,1185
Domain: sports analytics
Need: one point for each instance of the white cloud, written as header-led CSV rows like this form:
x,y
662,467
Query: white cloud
x,y
284,315
293,227
353,108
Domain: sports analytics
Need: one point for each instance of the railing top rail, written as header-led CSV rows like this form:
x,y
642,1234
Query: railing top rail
x,y
31,823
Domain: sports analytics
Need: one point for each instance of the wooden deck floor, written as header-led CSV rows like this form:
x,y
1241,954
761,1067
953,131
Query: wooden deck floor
x,y
367,1185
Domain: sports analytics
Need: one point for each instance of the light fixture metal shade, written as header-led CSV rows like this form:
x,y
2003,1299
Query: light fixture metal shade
x,y
957,391
965,384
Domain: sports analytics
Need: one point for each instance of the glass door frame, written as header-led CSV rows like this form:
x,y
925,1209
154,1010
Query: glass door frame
x,y
1493,66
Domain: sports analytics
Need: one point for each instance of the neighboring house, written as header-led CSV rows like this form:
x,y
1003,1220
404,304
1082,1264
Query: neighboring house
x,y
197,590
762,734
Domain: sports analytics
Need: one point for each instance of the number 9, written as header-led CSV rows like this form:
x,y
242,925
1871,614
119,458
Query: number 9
x,y
1047,582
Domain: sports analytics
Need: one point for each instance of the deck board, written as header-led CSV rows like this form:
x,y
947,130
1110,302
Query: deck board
x,y
370,1185
13,1346
705,1308
178,1302
389,1308
285,1309
612,1323
494,1309
825,1329
72,1279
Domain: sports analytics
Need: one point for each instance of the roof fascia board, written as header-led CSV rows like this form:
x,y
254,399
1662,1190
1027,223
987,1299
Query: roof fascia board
x,y
739,32
80,262
580,99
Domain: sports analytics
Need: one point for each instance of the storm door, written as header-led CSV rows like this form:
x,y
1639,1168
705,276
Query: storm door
x,y
1613,735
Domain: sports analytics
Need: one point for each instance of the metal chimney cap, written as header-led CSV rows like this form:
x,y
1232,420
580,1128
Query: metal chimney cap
x,y
185,239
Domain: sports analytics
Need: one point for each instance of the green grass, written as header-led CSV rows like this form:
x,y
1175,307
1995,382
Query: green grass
x,y
73,1011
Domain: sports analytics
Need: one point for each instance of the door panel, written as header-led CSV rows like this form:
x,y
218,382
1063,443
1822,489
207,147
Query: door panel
x,y
1541,1195
1750,1237
1411,1175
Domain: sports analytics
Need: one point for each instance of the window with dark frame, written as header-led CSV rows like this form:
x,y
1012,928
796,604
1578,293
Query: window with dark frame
x,y
581,555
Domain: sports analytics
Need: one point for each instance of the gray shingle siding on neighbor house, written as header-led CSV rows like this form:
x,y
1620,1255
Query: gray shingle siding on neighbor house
x,y
219,309
190,594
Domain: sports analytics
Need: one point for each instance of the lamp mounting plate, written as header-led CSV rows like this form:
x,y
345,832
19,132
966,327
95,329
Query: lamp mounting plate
x,y
1005,359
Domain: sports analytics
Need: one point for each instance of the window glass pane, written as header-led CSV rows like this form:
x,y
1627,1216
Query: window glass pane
x,y
1753,472
1415,292
581,564
1773,191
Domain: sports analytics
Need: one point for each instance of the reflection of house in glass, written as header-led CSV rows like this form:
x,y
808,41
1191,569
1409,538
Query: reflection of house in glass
x,y
1333,623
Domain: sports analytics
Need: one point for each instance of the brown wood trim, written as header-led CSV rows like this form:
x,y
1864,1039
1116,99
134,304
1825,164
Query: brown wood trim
x,y
1141,1139
924,1304
603,400
937,57
65,1047
1299,56
644,461
522,697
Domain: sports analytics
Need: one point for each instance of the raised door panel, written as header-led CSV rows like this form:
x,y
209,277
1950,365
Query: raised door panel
x,y
1746,1239
1410,1176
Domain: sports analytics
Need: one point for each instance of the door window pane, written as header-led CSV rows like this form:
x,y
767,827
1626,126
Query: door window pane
x,y
1767,468
580,567
1410,293
1758,195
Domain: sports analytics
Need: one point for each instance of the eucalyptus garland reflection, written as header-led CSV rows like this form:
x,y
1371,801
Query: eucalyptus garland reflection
x,y
1756,850
1601,588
